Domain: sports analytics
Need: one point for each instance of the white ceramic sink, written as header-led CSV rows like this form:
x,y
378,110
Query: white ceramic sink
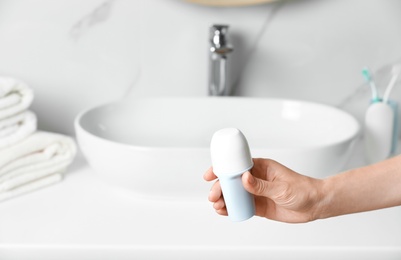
x,y
159,147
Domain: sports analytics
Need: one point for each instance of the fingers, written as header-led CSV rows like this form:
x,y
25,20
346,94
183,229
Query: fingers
x,y
209,175
215,192
219,204
265,169
222,212
256,186
220,207
216,196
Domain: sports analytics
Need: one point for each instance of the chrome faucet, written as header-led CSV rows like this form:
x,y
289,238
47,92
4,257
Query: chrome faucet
x,y
219,48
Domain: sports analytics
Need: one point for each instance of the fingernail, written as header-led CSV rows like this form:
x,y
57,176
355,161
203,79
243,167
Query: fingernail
x,y
210,195
251,180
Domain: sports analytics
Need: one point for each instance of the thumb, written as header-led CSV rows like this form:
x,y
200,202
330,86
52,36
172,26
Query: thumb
x,y
256,186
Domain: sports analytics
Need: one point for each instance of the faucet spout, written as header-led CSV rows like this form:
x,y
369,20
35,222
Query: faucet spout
x,y
219,48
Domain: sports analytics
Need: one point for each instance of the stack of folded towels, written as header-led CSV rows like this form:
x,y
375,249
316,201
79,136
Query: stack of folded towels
x,y
29,159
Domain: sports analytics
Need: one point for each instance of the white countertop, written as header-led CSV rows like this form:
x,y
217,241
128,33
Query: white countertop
x,y
85,218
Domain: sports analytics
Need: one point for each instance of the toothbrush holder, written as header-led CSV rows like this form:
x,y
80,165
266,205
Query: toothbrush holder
x,y
381,130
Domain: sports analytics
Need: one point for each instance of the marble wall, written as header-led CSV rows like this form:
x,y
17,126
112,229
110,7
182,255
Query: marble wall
x,y
78,54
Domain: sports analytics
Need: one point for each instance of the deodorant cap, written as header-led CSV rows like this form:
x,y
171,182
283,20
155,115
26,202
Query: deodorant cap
x,y
230,152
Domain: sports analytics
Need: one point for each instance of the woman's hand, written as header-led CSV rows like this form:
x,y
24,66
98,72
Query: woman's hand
x,y
280,193
284,195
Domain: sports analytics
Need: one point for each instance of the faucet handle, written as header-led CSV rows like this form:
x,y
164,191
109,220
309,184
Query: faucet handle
x,y
219,48
218,39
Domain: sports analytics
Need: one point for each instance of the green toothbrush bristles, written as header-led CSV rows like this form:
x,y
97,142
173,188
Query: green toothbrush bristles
x,y
366,75
369,79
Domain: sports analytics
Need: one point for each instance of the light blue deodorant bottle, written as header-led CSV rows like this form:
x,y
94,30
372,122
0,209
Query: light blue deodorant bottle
x,y
231,157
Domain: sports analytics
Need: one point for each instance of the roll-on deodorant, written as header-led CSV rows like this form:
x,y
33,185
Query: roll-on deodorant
x,y
231,157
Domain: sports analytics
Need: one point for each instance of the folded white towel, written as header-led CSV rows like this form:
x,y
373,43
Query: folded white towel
x,y
32,186
34,162
15,97
16,128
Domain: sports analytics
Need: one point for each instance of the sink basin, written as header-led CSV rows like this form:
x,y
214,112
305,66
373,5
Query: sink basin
x,y
159,147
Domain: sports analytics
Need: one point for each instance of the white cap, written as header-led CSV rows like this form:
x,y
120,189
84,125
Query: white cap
x,y
230,152
231,157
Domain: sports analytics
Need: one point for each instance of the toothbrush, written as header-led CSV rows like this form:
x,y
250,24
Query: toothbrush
x,y
369,79
396,72
381,125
